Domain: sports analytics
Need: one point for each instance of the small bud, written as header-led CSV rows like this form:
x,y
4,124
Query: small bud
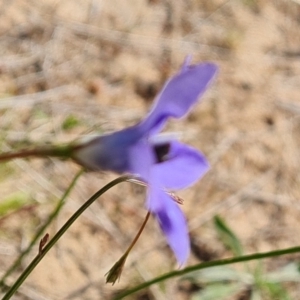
x,y
43,242
115,272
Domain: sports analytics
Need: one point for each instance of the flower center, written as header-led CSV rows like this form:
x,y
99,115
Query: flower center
x,y
162,151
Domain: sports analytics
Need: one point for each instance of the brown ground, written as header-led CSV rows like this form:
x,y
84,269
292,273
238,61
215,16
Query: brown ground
x,y
102,62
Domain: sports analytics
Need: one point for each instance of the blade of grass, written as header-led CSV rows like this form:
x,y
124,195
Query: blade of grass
x,y
228,237
55,212
59,234
221,262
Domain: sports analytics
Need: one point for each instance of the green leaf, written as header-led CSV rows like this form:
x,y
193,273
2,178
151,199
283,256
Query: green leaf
x,y
219,274
275,291
13,202
70,122
218,292
289,273
227,236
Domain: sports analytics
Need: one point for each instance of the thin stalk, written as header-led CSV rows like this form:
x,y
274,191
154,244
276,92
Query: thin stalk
x,y
63,151
115,272
41,230
206,265
59,234
139,233
23,154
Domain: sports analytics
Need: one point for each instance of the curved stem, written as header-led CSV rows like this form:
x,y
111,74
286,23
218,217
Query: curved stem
x,y
205,265
59,234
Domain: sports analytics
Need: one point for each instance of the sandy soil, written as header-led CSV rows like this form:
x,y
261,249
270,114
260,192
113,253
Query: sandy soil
x,y
101,63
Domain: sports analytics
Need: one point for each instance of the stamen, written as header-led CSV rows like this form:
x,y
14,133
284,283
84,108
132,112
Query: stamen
x,y
176,198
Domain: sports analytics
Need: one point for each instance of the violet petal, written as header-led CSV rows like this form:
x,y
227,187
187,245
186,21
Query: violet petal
x,y
141,159
172,222
183,167
178,96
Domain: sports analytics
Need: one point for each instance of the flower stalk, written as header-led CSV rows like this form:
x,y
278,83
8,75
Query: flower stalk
x,y
61,151
115,272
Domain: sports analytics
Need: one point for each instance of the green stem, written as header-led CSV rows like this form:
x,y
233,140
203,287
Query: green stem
x,y
62,151
206,265
59,234
41,230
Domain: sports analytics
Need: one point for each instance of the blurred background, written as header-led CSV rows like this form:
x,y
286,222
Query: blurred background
x,y
71,68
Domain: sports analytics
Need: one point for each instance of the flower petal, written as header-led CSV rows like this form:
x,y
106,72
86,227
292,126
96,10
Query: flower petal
x,y
183,167
178,95
172,222
108,152
141,159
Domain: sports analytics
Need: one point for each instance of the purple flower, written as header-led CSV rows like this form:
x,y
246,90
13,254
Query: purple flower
x,y
162,162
